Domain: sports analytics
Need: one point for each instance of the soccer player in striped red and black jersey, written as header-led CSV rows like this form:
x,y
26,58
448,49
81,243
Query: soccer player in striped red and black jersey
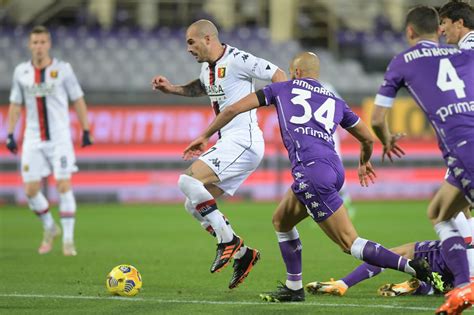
x,y
45,86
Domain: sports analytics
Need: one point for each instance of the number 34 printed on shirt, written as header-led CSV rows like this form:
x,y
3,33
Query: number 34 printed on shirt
x,y
324,114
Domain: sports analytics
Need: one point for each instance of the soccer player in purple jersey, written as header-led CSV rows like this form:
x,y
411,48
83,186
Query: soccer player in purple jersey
x,y
308,116
441,79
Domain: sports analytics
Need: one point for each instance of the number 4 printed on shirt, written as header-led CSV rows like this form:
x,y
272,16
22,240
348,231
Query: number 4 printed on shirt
x,y
448,79
324,114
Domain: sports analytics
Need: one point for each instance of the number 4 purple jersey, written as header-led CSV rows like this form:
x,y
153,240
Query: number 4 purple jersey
x,y
308,115
441,80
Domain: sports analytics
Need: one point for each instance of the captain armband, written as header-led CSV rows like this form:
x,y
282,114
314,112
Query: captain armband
x,y
261,98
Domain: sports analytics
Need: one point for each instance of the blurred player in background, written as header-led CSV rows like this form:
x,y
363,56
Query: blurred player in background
x,y
308,116
45,86
441,79
227,75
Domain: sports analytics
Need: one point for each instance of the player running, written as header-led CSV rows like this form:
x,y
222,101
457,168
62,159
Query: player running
x,y
441,79
429,250
308,116
227,75
45,86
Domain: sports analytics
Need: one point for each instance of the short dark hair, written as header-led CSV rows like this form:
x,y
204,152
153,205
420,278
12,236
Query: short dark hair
x,y
456,10
424,19
39,29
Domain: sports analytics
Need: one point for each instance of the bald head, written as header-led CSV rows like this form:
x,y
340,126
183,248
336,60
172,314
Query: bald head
x,y
204,28
305,65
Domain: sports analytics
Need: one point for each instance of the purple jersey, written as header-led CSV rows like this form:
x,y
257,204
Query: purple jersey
x,y
308,115
441,80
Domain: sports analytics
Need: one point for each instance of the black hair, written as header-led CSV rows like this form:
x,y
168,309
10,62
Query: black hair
x,y
424,19
456,10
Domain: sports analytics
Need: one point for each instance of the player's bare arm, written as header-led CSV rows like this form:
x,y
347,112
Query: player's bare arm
x,y
198,146
381,130
192,89
81,110
279,76
14,113
362,133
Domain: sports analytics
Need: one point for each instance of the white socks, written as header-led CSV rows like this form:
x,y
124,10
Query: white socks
x,y
206,206
67,211
40,206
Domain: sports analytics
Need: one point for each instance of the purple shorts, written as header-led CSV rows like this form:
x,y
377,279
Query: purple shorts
x,y
317,184
460,163
430,250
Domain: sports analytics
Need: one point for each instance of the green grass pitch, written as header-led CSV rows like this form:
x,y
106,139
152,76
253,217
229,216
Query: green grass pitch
x,y
174,254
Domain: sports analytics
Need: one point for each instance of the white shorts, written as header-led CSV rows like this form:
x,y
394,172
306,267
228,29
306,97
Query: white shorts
x,y
233,159
39,159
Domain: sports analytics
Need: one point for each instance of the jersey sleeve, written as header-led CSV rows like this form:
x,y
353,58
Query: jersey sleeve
x,y
271,91
349,118
393,81
250,66
73,89
16,93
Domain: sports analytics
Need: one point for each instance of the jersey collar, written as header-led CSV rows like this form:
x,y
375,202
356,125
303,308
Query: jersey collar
x,y
428,42
465,37
220,57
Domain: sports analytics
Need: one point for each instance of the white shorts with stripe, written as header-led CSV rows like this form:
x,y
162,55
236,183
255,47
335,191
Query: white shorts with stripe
x,y
40,158
233,159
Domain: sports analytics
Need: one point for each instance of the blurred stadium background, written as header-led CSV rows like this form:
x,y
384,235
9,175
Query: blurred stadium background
x,y
117,46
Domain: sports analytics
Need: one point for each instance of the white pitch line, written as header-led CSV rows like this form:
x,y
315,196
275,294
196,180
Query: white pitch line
x,y
135,299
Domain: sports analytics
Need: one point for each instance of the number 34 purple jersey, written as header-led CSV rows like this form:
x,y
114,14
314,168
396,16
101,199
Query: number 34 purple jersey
x,y
308,115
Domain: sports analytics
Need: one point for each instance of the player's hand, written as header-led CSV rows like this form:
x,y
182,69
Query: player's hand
x,y
196,148
86,138
366,173
161,83
392,149
11,144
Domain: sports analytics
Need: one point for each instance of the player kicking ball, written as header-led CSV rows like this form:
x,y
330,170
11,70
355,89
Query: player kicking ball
x,y
308,116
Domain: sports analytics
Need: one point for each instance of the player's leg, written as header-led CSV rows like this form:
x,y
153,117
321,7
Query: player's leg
x,y
446,203
67,213
340,229
62,158
192,185
289,213
33,167
226,166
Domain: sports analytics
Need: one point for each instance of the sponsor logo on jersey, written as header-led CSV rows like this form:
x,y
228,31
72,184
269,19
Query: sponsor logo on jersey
x,y
321,214
456,108
54,74
221,72
40,89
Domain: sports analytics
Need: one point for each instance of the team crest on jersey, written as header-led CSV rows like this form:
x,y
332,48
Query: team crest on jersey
x,y
26,168
221,72
54,74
